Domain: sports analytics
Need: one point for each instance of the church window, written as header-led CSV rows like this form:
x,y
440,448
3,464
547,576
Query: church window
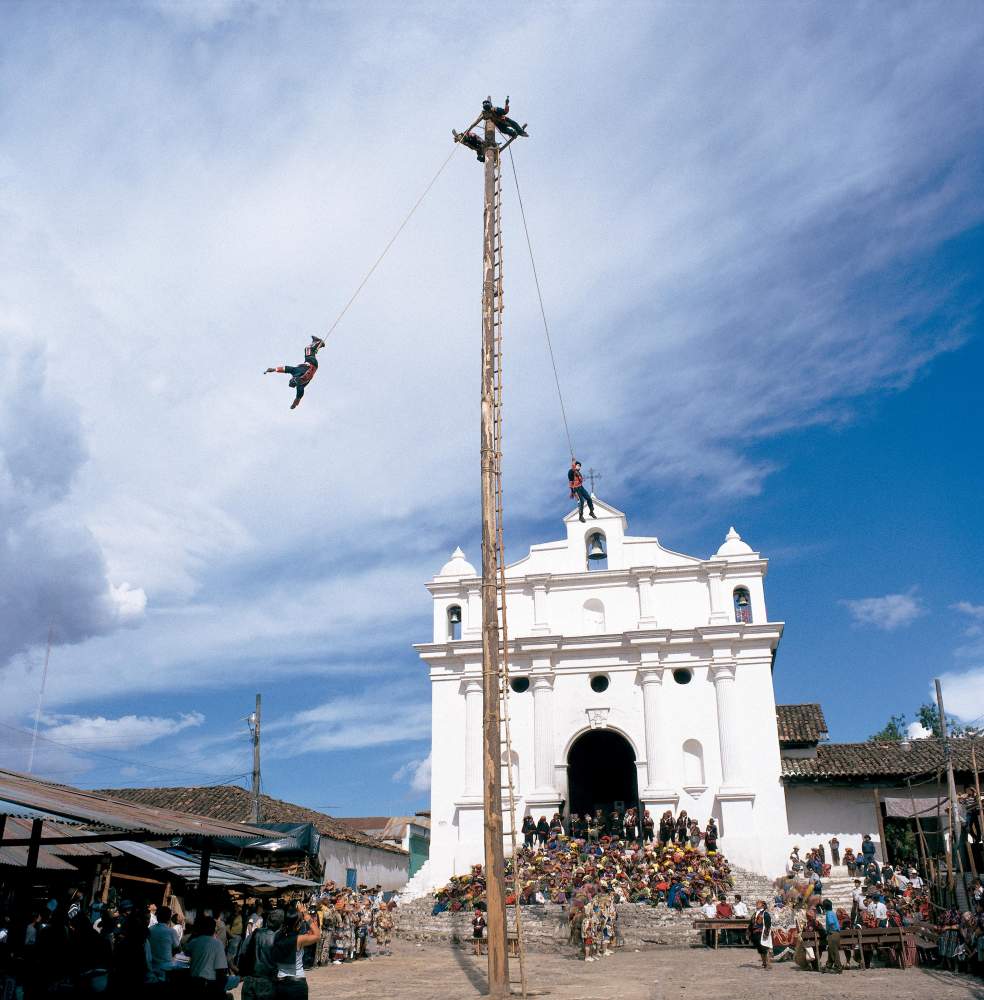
x,y
596,551
693,763
593,616
454,622
599,683
743,606
682,675
520,684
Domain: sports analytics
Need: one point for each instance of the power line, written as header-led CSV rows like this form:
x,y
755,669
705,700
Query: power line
x,y
128,761
543,312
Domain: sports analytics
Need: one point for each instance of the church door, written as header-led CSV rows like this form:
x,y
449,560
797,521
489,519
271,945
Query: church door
x,y
601,772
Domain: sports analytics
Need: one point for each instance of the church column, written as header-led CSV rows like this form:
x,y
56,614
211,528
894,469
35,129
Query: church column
x,y
652,708
644,583
472,688
543,751
729,722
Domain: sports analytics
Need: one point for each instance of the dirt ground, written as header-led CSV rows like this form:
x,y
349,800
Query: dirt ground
x,y
423,972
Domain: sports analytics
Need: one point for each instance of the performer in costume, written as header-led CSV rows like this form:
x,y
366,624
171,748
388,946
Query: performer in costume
x,y
472,141
578,492
301,375
505,124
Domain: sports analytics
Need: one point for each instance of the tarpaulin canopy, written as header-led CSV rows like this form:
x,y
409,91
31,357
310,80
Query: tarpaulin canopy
x,y
907,807
222,871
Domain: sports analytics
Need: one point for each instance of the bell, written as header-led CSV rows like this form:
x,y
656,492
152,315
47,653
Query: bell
x,y
742,599
596,548
454,615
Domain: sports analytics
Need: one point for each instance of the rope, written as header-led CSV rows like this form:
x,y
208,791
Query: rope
x,y
379,259
543,312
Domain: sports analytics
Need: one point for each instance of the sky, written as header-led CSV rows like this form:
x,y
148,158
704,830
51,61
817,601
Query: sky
x,y
759,230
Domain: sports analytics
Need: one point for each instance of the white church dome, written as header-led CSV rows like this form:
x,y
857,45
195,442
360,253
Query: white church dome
x,y
458,565
734,546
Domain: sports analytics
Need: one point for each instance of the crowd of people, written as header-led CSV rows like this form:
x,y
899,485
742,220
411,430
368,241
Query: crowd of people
x,y
619,825
131,950
577,861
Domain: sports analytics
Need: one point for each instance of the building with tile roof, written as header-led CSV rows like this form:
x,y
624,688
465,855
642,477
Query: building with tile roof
x,y
348,855
412,833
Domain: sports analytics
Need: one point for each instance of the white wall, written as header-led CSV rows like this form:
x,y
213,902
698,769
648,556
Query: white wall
x,y
689,622
816,813
372,865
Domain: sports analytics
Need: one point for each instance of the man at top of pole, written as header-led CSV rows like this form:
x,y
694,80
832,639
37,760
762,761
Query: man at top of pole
x,y
578,492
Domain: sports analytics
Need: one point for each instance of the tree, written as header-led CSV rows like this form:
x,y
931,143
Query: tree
x,y
928,716
893,731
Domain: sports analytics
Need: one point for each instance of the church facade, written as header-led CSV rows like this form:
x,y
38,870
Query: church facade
x,y
643,676
638,675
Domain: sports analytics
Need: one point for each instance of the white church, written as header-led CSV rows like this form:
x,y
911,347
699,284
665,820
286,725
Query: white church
x,y
638,675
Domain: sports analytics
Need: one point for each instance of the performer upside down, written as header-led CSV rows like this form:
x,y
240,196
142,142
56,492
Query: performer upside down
x,y
301,375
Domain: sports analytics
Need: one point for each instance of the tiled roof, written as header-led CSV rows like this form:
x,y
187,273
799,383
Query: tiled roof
x,y
229,802
801,723
882,760
363,822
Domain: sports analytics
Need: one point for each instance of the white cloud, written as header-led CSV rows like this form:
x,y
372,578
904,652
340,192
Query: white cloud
x,y
131,602
391,713
416,773
975,612
917,731
190,250
124,732
963,694
887,613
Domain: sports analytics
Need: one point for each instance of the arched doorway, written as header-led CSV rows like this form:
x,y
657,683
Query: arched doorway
x,y
601,771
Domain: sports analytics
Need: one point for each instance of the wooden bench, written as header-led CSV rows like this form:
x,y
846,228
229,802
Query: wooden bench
x,y
859,938
716,925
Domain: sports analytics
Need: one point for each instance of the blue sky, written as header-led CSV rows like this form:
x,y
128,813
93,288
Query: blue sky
x,y
760,232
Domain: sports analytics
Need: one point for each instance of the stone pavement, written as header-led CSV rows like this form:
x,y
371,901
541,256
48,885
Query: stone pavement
x,y
430,971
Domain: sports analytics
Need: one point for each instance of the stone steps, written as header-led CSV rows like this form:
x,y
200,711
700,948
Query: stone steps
x,y
418,886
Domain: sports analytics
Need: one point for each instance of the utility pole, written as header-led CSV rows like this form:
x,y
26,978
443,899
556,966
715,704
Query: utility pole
x,y
255,727
950,782
495,867
37,714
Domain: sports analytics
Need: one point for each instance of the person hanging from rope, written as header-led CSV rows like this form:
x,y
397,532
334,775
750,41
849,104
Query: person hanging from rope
x,y
472,141
578,492
500,116
301,375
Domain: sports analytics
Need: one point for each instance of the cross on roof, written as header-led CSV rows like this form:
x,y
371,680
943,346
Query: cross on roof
x,y
591,476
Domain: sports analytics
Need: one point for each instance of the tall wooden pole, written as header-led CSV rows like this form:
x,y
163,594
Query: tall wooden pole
x,y
951,785
495,868
256,762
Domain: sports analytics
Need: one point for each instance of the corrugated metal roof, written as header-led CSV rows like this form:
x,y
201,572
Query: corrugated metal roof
x,y
50,856
95,809
222,871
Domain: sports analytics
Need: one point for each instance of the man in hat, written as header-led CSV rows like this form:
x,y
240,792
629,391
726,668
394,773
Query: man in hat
x,y
500,116
301,375
472,141
576,483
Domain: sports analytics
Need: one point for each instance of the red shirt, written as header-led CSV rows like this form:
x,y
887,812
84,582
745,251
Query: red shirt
x,y
725,911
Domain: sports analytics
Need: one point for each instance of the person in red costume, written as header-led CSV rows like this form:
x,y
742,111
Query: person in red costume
x,y
578,492
301,375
